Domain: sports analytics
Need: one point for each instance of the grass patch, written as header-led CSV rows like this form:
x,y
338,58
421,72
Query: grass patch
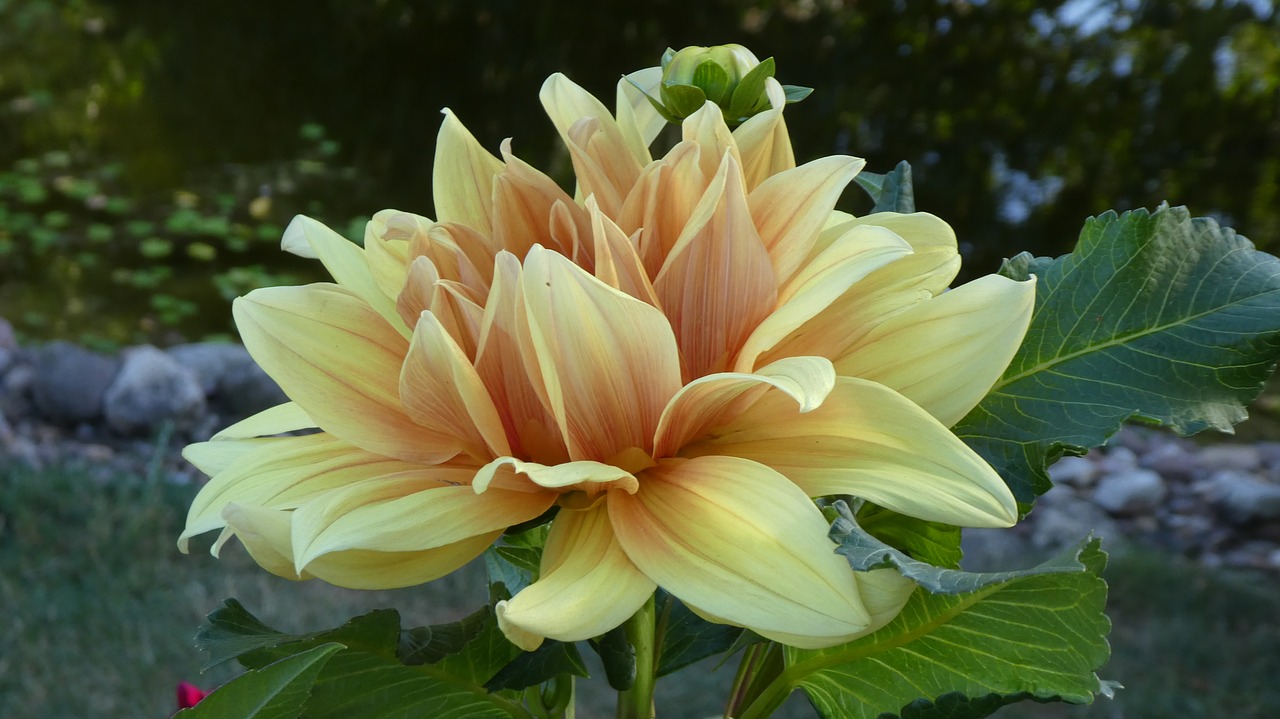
x,y
100,607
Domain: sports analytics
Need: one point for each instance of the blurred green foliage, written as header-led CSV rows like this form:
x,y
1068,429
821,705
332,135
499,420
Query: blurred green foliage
x,y
131,124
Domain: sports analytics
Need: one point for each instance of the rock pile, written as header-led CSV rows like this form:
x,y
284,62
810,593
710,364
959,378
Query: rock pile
x,y
60,401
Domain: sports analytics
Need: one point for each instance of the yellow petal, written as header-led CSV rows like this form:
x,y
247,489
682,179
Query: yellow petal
x,y
265,533
408,512
388,255
608,361
763,141
286,417
587,584
707,129
740,541
462,177
604,163
568,474
213,457
868,441
718,282
638,121
717,399
857,254
892,288
791,208
337,359
441,391
946,353
279,473
344,260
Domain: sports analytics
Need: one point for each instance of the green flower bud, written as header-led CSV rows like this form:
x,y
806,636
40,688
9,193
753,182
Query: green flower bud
x,y
731,76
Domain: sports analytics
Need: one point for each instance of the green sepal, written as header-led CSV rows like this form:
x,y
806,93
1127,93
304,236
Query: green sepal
x,y
682,100
796,93
749,96
712,80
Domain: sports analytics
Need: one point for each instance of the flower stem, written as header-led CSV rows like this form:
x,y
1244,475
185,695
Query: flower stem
x,y
637,702
769,698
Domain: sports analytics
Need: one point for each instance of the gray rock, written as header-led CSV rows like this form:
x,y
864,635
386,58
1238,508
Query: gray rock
x,y
1074,471
1270,453
1118,459
235,385
1172,461
1069,520
992,550
152,388
1130,492
1239,457
1244,497
70,382
8,345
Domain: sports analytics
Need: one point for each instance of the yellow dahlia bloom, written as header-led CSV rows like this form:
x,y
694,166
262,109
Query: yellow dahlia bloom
x,y
678,358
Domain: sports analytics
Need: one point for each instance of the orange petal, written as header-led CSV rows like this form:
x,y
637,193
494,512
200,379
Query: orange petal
x,y
340,362
742,542
718,282
587,584
603,161
522,201
608,361
662,202
441,391
616,262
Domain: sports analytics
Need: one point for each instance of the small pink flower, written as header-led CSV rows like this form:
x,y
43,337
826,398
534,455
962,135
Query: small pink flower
x,y
189,695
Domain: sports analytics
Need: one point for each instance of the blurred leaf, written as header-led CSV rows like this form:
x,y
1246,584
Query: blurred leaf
x,y
427,645
1160,317
548,661
892,192
276,691
618,655
687,637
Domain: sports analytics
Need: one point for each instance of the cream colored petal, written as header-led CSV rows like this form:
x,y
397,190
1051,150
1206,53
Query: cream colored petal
x,y
213,457
889,290
707,129
337,359
718,282
638,121
616,262
286,417
587,584
512,376
884,592
462,177
608,361
716,399
868,441
442,392
459,252
739,540
265,534
581,474
857,254
345,261
791,208
419,288
408,512
596,144
279,473
388,255
946,353
763,141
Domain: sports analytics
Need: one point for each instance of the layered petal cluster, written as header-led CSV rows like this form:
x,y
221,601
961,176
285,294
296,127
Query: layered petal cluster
x,y
676,358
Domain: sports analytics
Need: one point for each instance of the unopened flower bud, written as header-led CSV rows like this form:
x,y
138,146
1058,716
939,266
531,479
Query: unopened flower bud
x,y
731,76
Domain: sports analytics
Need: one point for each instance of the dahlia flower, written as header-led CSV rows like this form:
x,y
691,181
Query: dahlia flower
x,y
678,358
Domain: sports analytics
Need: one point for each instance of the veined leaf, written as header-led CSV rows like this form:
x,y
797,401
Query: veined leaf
x,y
1158,316
548,661
430,644
1038,634
276,691
687,637
892,192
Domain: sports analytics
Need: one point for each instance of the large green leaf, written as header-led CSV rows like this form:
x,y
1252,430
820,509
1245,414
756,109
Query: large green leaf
x,y
1036,634
687,637
276,691
1155,316
366,678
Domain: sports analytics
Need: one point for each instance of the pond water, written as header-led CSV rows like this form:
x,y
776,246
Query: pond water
x,y
151,153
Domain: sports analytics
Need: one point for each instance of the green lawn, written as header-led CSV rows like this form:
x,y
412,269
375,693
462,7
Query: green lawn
x,y
100,607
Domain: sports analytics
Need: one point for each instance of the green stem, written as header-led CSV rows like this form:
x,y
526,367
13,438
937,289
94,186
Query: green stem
x,y
769,698
637,702
746,671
